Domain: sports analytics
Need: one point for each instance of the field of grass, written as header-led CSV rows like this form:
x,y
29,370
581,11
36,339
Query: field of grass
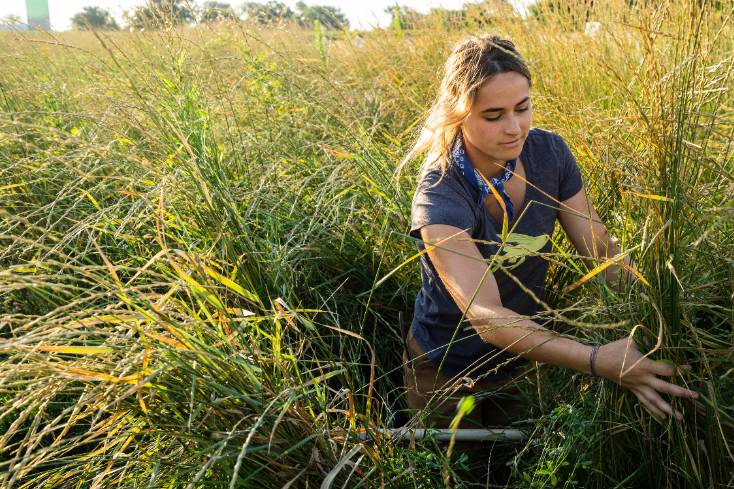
x,y
204,258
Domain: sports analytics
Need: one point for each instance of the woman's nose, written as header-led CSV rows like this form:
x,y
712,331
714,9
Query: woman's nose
x,y
513,125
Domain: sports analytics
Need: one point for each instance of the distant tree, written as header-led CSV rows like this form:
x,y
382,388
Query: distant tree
x,y
576,11
216,11
267,13
447,19
161,13
489,12
329,17
408,18
11,19
404,17
93,18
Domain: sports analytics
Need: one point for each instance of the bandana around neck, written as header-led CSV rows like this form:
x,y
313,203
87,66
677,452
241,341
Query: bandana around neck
x,y
471,175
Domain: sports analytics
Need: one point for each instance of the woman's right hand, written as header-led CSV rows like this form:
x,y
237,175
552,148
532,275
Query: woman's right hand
x,y
622,363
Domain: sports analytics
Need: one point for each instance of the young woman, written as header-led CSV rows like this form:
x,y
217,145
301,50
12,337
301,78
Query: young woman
x,y
473,327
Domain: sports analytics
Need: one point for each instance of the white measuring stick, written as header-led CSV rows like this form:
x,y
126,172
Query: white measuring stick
x,y
462,434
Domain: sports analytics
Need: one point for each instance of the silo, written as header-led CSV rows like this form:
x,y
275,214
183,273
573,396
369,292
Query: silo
x,y
38,14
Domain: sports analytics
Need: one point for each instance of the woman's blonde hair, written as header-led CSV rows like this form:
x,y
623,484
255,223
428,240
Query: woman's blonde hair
x,y
472,62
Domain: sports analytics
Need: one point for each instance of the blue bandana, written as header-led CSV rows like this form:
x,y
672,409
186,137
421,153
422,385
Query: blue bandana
x,y
471,174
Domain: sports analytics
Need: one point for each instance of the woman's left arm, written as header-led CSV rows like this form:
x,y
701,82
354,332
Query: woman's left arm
x,y
589,234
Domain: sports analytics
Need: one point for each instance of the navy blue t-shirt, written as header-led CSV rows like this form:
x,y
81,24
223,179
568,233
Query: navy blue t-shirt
x,y
553,176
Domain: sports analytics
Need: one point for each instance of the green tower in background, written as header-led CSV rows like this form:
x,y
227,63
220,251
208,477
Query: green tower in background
x,y
38,17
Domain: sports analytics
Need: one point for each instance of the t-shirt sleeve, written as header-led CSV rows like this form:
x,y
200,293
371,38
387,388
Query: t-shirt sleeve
x,y
570,175
440,203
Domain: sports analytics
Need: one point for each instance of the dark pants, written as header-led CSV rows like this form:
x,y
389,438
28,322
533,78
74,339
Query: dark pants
x,y
429,390
497,404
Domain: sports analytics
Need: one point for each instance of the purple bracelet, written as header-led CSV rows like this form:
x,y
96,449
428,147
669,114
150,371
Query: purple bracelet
x,y
592,356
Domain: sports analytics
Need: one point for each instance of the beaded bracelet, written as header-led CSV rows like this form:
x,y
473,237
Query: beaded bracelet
x,y
592,356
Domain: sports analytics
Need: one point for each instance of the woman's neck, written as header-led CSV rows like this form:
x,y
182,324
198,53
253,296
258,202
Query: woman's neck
x,y
488,167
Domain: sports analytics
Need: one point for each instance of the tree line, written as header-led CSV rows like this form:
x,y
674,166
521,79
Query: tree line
x,y
167,13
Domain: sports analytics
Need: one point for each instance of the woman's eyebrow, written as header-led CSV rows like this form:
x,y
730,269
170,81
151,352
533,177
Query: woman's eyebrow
x,y
500,109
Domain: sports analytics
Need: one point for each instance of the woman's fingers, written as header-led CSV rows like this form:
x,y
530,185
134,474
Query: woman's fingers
x,y
665,368
647,404
654,398
659,385
640,377
674,390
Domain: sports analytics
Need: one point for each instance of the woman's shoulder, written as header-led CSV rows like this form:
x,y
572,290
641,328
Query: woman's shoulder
x,y
554,163
436,174
442,182
441,198
547,149
543,137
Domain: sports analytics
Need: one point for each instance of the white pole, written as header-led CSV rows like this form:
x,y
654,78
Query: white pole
x,y
464,434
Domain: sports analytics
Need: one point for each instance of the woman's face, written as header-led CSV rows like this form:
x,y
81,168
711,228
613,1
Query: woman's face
x,y
499,121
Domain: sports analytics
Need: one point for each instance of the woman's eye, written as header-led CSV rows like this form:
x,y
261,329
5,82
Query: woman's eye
x,y
498,117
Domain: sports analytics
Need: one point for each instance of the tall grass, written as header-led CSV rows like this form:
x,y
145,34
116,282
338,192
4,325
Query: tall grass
x,y
205,261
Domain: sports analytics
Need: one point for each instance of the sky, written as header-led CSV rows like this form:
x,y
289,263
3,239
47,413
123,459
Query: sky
x,y
361,14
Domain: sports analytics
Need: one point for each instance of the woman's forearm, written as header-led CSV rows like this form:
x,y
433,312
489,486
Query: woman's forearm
x,y
619,361
518,334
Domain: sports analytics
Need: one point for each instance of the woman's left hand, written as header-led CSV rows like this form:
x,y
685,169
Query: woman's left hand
x,y
622,363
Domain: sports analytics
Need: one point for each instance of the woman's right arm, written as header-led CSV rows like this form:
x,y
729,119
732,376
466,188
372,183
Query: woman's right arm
x,y
465,275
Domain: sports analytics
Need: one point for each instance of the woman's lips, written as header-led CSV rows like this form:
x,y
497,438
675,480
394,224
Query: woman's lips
x,y
512,143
